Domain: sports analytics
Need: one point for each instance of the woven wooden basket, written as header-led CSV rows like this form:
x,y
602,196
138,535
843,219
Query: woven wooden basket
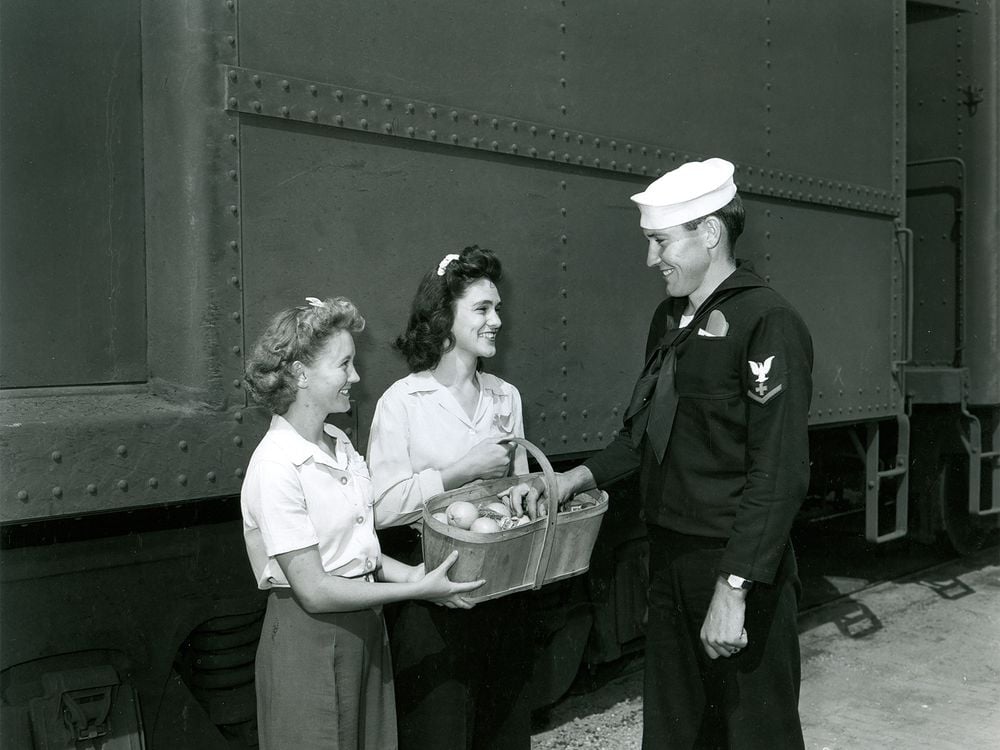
x,y
526,557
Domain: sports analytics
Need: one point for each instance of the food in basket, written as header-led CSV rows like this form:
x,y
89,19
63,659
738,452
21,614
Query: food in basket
x,y
578,502
484,525
511,523
495,516
462,514
497,507
525,553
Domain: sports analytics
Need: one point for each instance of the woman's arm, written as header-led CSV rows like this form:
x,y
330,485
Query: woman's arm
x,y
317,591
399,490
394,571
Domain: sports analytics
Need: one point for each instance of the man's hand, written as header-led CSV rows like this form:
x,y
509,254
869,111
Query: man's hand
x,y
722,633
527,496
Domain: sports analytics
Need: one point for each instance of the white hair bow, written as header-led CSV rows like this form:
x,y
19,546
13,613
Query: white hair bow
x,y
315,302
444,263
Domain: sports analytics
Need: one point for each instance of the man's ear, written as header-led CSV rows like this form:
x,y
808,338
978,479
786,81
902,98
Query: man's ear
x,y
713,232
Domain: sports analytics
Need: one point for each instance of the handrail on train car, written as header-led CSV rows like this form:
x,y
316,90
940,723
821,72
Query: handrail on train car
x,y
907,258
960,285
972,441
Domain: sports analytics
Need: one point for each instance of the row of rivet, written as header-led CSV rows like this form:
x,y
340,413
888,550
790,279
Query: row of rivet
x,y
898,175
122,450
768,87
898,168
564,416
563,108
122,485
326,104
543,441
898,100
584,436
234,222
959,75
564,305
872,409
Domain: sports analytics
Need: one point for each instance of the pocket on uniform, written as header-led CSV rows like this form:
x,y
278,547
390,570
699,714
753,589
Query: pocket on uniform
x,y
708,367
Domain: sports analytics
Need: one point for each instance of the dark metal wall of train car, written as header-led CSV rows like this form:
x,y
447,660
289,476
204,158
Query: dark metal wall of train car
x,y
334,147
952,126
72,292
410,151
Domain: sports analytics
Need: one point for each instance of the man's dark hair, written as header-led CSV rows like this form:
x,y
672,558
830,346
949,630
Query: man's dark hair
x,y
733,217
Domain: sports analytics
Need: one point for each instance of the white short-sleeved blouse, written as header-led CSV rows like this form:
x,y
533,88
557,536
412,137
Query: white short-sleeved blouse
x,y
296,495
419,428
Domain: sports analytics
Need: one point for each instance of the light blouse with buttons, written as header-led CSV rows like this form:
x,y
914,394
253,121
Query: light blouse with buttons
x,y
419,428
295,495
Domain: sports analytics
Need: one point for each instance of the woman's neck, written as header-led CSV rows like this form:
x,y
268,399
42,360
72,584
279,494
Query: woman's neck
x,y
306,421
456,370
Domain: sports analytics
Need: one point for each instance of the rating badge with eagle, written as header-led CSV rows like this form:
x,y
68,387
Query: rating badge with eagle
x,y
762,391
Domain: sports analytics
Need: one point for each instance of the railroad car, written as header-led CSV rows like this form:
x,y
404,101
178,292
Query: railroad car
x,y
175,172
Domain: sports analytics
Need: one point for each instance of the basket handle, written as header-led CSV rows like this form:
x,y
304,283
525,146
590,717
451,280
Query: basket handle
x,y
549,478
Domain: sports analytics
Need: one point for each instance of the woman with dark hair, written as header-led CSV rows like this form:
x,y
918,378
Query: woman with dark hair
x,y
323,670
461,677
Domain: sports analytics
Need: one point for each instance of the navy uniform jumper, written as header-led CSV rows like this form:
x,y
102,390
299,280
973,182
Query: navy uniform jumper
x,y
735,471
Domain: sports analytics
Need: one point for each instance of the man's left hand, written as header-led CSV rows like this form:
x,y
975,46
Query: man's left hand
x,y
722,633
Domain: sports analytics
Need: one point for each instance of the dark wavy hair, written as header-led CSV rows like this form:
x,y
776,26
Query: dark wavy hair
x,y
733,217
428,332
295,335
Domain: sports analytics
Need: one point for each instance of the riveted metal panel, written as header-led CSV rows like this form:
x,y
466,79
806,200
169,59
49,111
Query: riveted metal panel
x,y
60,449
932,82
606,297
72,293
305,187
842,272
834,77
570,246
367,216
286,97
95,451
500,56
979,39
667,73
935,207
952,189
192,184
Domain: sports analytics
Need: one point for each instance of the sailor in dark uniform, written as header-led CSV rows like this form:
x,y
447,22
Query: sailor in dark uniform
x,y
717,429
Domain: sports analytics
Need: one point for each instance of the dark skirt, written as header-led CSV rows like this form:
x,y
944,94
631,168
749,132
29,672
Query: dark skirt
x,y
323,680
462,677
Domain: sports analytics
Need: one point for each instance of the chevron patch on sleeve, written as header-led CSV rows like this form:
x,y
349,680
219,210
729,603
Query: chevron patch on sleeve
x,y
764,388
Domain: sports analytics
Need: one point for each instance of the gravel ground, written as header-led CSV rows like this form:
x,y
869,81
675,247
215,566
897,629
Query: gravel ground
x,y
609,718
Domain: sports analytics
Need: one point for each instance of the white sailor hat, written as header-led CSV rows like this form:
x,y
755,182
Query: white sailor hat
x,y
689,192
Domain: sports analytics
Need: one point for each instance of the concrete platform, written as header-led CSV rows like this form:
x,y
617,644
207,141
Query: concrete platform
x,y
911,663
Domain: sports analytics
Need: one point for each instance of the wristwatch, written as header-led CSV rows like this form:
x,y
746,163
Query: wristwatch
x,y
735,582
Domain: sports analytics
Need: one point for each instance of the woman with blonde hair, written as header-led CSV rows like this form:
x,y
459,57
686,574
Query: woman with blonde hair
x,y
323,671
